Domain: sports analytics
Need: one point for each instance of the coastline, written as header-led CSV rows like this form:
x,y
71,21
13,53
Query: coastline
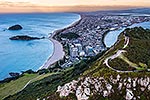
x,y
58,52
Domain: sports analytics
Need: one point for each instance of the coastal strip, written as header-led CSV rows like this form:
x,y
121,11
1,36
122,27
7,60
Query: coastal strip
x,y
58,52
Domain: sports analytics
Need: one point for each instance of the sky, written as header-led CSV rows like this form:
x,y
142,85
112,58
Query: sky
x,y
67,5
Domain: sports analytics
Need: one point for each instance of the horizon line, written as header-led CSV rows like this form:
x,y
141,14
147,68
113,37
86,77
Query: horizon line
x,y
79,8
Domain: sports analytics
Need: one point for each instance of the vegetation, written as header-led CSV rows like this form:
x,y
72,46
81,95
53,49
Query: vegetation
x,y
46,85
69,35
139,46
15,86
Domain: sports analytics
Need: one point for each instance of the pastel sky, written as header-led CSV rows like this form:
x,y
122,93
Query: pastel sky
x,y
62,5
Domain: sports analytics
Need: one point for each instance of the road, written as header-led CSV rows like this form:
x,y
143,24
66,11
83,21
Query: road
x,y
119,52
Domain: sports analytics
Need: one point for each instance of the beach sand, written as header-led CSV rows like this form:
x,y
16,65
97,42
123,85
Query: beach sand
x,y
58,53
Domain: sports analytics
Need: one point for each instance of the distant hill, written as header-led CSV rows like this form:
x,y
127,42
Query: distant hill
x,y
135,10
139,10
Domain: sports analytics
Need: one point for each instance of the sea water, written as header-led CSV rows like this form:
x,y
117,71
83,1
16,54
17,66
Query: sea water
x,y
16,55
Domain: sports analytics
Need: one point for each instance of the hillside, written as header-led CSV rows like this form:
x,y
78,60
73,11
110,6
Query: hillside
x,y
129,54
122,72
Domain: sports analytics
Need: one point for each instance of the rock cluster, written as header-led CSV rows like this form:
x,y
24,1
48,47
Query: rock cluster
x,y
83,88
13,74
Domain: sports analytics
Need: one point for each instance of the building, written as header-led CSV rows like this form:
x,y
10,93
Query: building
x,y
74,52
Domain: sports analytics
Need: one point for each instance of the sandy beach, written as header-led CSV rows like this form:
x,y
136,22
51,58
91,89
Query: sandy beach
x,y
58,53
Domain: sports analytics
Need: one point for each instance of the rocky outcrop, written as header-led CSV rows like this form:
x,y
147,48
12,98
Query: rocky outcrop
x,y
24,37
126,88
13,74
15,27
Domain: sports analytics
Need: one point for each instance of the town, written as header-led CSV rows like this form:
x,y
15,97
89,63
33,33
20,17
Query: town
x,y
89,34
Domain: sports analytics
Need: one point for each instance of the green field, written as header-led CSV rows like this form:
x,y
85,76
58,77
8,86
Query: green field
x,y
15,86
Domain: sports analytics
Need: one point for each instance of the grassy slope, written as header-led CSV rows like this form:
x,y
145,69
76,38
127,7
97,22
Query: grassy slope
x,y
48,85
13,87
39,77
139,46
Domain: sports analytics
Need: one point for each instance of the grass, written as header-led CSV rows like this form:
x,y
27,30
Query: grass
x,y
41,77
134,65
139,67
15,86
45,86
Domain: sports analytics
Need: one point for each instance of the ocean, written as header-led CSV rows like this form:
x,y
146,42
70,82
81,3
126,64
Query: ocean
x,y
17,56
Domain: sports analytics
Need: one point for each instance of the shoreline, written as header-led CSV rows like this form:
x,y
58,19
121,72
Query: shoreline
x,y
58,52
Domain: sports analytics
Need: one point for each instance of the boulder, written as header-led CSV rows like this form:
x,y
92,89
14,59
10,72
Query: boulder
x,y
24,37
15,27
12,74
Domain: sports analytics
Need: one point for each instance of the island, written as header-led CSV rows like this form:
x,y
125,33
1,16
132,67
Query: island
x,y
15,27
25,38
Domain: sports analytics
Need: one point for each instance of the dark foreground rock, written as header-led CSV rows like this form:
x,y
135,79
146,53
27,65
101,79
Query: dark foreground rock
x,y
12,74
15,27
25,37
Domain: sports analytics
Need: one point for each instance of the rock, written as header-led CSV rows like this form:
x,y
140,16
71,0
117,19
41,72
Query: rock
x,y
85,87
149,87
105,93
120,85
12,74
15,27
59,88
128,85
109,87
134,82
118,77
129,94
87,91
81,95
24,37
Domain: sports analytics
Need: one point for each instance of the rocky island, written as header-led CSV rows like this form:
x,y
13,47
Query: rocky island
x,y
15,27
25,38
